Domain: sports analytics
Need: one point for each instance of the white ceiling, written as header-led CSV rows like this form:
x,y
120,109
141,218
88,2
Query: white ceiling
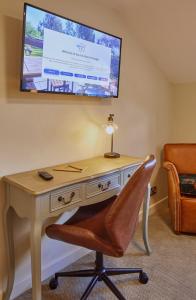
x,y
167,30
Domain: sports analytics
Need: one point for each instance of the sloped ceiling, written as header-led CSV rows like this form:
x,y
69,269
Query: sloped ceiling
x,y
167,30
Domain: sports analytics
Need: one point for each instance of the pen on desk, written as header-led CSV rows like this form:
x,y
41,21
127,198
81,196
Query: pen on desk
x,y
64,170
76,168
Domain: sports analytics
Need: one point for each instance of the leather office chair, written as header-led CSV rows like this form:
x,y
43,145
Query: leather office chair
x,y
106,227
180,159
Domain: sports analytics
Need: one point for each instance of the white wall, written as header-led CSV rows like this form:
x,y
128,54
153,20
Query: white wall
x,y
41,130
184,108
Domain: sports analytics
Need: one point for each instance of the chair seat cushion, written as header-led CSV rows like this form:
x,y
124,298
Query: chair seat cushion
x,y
188,184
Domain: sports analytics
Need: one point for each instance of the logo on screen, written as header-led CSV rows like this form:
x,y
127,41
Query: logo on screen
x,y
81,48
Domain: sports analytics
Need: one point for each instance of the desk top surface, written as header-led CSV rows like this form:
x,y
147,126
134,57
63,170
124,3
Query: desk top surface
x,y
92,168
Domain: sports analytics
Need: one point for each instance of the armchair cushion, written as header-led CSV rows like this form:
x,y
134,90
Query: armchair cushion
x,y
188,184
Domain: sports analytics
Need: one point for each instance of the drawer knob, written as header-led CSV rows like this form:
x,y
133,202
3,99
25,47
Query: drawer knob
x,y
105,186
129,175
60,199
100,185
72,195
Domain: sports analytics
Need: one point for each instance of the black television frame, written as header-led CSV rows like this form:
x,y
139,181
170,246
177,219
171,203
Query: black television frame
x,y
54,92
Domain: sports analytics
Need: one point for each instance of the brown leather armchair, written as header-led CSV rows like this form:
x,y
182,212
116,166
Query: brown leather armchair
x,y
180,159
107,228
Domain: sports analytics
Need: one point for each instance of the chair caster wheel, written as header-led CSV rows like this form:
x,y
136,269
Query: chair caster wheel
x,y
143,278
53,284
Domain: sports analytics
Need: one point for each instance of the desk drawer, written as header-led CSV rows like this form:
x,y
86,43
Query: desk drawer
x,y
64,197
103,184
128,173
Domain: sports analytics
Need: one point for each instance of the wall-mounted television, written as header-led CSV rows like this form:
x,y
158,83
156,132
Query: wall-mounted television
x,y
60,55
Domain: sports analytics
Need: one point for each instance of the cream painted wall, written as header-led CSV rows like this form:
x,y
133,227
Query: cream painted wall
x,y
41,130
184,107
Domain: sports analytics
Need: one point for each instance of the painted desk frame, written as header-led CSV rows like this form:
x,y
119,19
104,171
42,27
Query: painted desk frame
x,y
34,203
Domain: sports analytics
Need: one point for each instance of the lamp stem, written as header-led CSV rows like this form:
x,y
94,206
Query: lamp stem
x,y
112,142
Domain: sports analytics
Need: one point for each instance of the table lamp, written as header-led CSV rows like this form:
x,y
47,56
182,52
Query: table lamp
x,y
110,128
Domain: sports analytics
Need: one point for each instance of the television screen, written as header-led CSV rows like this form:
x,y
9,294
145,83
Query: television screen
x,y
64,56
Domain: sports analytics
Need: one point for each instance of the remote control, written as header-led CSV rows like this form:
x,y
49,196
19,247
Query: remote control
x,y
45,175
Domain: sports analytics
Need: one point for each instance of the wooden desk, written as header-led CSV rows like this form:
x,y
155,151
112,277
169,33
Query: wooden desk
x,y
33,198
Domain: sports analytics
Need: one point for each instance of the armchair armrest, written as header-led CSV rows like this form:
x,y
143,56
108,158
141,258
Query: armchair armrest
x,y
169,166
173,194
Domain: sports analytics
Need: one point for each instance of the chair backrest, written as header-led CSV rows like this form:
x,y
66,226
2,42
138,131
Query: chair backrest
x,y
122,218
183,156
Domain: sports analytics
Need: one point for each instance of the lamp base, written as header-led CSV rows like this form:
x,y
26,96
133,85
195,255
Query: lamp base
x,y
111,155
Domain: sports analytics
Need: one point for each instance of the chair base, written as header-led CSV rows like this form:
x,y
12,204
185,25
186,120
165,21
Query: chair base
x,y
100,273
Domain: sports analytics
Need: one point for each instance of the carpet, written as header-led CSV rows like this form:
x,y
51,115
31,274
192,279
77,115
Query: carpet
x,y
171,268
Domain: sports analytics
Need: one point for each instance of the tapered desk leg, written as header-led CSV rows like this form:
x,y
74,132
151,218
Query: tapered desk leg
x,y
8,230
36,228
145,220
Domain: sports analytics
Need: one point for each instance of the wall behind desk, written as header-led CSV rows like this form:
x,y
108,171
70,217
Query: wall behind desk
x,y
184,107
41,130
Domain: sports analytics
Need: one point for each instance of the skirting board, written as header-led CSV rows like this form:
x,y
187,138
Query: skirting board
x,y
153,208
65,260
